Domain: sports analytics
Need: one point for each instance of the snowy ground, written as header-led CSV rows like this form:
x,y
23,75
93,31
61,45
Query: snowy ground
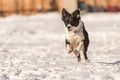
x,y
32,48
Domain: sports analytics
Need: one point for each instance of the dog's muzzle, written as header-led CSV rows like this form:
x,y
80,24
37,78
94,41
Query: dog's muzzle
x,y
69,28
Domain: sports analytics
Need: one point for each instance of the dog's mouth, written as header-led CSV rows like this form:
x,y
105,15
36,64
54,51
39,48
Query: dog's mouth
x,y
69,29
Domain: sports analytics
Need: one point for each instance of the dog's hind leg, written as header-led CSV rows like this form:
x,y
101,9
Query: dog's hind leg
x,y
78,57
86,43
85,54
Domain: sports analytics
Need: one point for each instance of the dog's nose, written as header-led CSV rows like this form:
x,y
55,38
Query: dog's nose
x,y
69,27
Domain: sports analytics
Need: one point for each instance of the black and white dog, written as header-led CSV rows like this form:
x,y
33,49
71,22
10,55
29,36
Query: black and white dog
x,y
76,35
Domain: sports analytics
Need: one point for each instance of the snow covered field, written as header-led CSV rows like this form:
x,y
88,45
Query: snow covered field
x,y
32,48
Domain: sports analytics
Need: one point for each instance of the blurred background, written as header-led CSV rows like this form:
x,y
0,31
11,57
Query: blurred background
x,y
32,40
27,7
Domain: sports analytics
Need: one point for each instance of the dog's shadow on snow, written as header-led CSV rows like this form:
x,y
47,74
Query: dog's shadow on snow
x,y
113,63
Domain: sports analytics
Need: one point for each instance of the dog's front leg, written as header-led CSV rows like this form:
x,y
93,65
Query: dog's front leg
x,y
68,47
77,54
77,51
81,47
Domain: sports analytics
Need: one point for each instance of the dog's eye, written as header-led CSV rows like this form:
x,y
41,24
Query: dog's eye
x,y
68,21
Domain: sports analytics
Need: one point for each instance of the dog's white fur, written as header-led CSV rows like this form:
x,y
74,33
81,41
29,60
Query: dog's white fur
x,y
75,37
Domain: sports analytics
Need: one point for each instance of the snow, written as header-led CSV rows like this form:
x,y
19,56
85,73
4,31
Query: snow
x,y
33,48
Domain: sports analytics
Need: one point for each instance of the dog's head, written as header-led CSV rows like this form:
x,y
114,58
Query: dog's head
x,y
71,20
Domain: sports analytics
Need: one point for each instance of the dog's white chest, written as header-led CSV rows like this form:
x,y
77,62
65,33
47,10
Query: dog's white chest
x,y
73,36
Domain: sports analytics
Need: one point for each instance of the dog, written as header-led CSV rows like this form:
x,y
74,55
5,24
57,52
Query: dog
x,y
77,38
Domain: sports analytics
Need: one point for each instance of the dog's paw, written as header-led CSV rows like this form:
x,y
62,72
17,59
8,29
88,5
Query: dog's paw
x,y
69,51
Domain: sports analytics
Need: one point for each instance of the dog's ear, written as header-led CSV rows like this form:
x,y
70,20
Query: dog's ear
x,y
64,13
76,13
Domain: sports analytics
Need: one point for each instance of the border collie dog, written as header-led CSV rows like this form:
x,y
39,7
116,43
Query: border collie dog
x,y
77,38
